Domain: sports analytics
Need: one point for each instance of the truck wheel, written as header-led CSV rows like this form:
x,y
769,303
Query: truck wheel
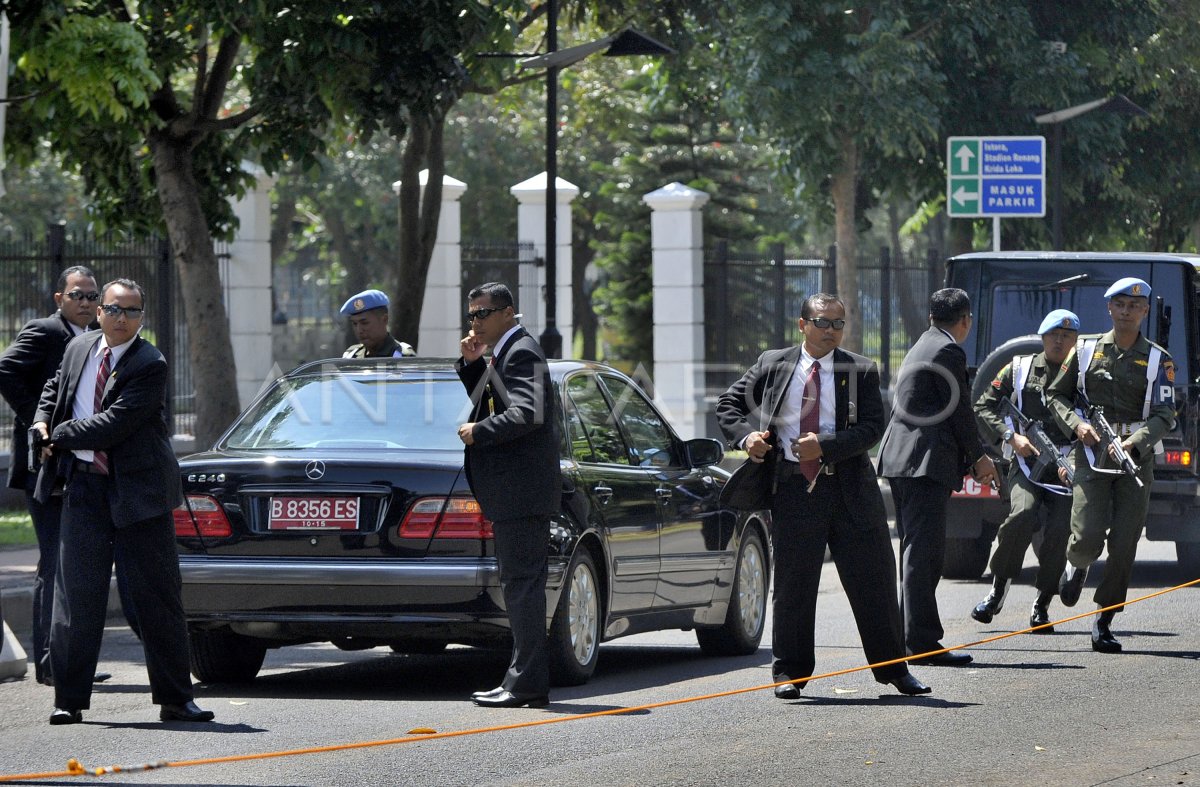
x,y
1188,554
966,558
997,358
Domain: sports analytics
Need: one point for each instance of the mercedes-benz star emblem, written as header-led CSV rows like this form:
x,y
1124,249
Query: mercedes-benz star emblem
x,y
315,469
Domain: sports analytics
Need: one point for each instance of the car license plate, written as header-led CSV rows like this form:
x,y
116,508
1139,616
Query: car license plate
x,y
313,513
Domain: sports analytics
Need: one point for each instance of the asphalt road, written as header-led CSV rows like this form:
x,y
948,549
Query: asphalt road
x,y
1030,710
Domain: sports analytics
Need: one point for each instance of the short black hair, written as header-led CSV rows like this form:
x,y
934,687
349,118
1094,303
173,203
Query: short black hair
x,y
819,300
128,284
499,294
949,305
74,270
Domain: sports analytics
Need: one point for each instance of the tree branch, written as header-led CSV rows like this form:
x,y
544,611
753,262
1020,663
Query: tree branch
x,y
214,91
229,122
201,68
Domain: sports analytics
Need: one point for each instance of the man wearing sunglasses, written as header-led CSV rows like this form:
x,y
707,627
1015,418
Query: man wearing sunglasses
x,y
103,415
813,412
512,468
368,313
25,366
930,443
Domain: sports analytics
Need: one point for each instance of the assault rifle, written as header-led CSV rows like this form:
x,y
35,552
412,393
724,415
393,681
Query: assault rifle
x,y
1109,441
1048,458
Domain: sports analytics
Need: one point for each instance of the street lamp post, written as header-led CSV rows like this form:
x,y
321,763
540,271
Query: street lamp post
x,y
626,42
1118,104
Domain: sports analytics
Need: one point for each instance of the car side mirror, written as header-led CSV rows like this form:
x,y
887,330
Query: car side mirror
x,y
704,451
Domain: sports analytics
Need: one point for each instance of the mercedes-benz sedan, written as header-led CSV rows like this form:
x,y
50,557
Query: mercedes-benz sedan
x,y
336,509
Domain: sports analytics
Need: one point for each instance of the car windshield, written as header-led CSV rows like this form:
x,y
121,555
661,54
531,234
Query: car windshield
x,y
360,412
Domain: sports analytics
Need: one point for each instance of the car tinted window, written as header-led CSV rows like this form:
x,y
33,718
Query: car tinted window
x,y
596,420
344,411
648,434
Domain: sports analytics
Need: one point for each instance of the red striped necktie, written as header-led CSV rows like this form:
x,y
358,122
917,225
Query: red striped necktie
x,y
810,416
100,458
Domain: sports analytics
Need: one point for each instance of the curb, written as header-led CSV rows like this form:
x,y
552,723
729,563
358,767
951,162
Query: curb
x,y
13,661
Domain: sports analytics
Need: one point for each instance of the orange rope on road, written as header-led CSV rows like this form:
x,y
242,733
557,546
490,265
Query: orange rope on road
x,y
75,769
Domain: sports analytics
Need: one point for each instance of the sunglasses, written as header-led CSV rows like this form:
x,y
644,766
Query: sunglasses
x,y
825,322
132,312
80,295
484,313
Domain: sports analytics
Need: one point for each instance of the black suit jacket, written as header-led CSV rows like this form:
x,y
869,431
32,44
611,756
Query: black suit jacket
x,y
513,466
131,427
932,432
25,366
753,403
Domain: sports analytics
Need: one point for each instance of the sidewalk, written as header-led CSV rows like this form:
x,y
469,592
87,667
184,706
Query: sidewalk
x,y
17,570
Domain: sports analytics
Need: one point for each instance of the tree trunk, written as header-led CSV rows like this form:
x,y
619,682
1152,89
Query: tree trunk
x,y
351,259
420,212
209,347
845,182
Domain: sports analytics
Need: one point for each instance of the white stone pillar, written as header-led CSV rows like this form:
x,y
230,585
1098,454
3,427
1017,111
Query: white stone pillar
x,y
531,228
442,308
248,284
676,238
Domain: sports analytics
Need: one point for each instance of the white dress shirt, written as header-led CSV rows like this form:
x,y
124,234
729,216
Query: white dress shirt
x,y
85,392
793,404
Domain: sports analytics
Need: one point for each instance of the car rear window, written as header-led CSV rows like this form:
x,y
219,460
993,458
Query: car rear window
x,y
363,413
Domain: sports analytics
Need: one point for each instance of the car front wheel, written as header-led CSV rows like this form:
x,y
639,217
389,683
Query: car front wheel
x,y
742,630
224,656
575,630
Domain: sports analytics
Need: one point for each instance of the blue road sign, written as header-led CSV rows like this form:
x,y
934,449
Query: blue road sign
x,y
995,176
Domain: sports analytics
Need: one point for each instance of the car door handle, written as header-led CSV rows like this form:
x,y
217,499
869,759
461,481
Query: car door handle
x,y
605,493
662,494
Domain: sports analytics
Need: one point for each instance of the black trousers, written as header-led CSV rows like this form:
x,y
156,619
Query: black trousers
x,y
45,518
802,525
921,523
88,540
521,546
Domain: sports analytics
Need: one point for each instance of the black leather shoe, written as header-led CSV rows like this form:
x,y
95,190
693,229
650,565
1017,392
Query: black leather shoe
x,y
188,711
490,694
64,716
1103,640
993,602
788,691
101,677
1071,584
945,660
506,699
907,684
1040,616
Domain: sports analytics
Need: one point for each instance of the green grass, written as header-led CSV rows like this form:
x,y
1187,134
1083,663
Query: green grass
x,y
16,529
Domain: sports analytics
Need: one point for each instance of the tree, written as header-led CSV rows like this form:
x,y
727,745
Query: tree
x,y
157,104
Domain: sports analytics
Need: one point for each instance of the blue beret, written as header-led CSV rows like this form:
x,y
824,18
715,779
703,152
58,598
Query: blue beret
x,y
367,299
1129,286
1059,318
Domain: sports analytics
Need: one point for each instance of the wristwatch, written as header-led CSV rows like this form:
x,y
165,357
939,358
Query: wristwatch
x,y
1008,435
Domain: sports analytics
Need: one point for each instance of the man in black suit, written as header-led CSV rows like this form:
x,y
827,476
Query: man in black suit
x,y
816,411
930,442
104,416
25,366
512,467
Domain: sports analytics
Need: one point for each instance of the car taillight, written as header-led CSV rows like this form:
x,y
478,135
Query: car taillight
x,y
1178,458
455,517
201,515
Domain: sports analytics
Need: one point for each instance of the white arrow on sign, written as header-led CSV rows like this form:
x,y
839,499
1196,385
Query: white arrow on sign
x,y
964,156
961,195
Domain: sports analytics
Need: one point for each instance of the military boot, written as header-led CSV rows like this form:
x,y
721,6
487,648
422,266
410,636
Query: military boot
x,y
992,603
1103,640
1040,614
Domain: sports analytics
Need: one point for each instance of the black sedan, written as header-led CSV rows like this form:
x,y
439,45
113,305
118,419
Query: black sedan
x,y
336,509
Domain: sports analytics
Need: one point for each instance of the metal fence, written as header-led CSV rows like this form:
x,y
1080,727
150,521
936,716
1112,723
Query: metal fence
x,y
752,302
29,270
514,264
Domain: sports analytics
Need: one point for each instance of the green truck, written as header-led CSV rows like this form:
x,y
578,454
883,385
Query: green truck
x,y
1010,294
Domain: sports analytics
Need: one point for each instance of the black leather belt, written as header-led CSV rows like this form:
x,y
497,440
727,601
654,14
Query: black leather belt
x,y
87,467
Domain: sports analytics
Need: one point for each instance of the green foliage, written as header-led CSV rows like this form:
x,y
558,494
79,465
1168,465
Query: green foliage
x,y
16,529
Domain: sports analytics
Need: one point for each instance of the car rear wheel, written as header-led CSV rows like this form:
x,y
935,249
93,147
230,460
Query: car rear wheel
x,y
223,656
966,558
575,631
742,630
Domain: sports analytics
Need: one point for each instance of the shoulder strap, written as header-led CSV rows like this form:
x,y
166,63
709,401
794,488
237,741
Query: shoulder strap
x,y
1021,365
1085,350
1151,377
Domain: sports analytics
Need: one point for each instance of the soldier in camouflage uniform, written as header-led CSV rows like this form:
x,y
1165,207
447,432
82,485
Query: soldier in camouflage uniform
x,y
1029,496
1133,379
368,313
